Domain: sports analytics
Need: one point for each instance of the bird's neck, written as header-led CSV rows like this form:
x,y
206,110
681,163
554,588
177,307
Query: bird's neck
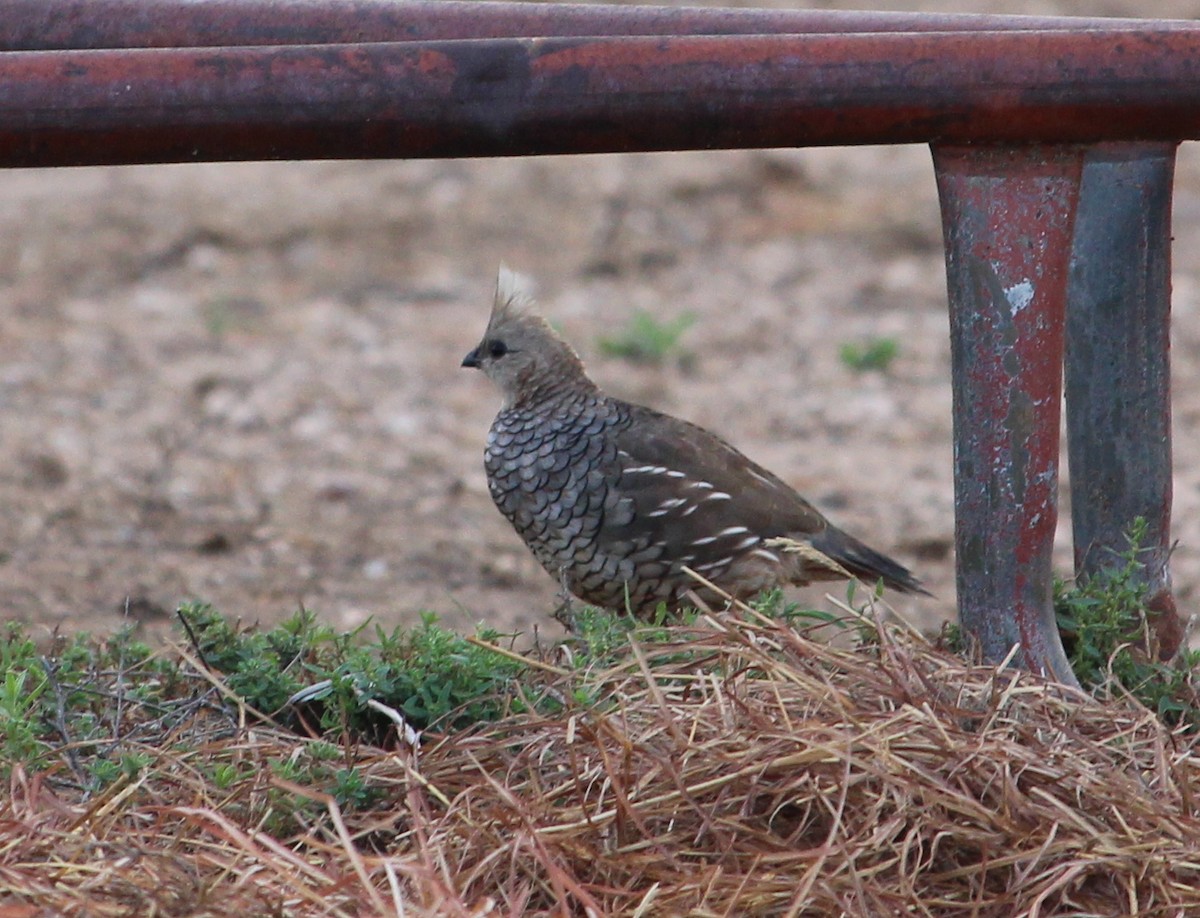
x,y
549,379
548,388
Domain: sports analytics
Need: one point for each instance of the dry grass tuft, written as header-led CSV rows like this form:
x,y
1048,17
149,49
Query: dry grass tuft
x,y
737,768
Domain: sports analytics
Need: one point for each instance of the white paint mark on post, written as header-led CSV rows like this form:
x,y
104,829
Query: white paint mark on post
x,y
1019,296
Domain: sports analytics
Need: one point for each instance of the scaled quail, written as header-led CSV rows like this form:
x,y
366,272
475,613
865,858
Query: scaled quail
x,y
615,499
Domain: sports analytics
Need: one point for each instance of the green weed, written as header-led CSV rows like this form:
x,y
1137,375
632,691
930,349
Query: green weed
x,y
74,695
646,339
873,354
105,711
1106,633
435,678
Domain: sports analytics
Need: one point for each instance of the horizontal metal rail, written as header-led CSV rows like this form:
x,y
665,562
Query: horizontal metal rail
x,y
39,25
504,97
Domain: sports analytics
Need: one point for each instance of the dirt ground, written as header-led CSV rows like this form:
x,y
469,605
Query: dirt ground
x,y
241,383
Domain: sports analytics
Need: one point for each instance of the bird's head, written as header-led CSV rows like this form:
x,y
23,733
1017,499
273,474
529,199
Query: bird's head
x,y
520,352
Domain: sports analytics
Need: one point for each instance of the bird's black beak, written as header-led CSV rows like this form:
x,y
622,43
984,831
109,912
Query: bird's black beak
x,y
472,359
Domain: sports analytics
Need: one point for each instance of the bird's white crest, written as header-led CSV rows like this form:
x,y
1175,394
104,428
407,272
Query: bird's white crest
x,y
512,292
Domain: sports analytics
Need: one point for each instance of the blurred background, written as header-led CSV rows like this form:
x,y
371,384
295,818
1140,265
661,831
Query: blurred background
x,y
241,383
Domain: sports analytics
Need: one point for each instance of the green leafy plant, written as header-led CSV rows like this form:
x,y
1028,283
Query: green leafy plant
x,y
71,694
353,790
873,354
432,677
260,667
96,711
775,604
19,721
647,339
1107,634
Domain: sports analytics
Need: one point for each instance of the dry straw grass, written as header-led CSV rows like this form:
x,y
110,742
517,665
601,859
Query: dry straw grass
x,y
739,768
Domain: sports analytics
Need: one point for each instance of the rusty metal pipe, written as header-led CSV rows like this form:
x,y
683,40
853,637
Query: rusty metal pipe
x,y
1118,377
536,96
1007,217
34,25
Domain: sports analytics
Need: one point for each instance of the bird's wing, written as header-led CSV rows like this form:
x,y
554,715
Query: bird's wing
x,y
692,497
690,481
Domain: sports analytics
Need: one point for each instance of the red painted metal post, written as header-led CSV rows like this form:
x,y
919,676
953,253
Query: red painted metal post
x,y
1118,369
1007,215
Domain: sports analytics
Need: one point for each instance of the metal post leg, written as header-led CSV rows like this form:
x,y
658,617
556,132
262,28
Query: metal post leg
x,y
1118,369
1007,217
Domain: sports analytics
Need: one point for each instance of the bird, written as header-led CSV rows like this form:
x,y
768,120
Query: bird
x,y
624,505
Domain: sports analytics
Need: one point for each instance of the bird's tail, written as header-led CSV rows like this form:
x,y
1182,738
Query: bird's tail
x,y
866,563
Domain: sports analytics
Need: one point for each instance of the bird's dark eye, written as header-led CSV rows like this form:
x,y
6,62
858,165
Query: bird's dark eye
x,y
497,348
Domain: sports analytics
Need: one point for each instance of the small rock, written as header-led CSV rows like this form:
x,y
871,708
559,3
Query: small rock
x,y
44,470
375,569
217,543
